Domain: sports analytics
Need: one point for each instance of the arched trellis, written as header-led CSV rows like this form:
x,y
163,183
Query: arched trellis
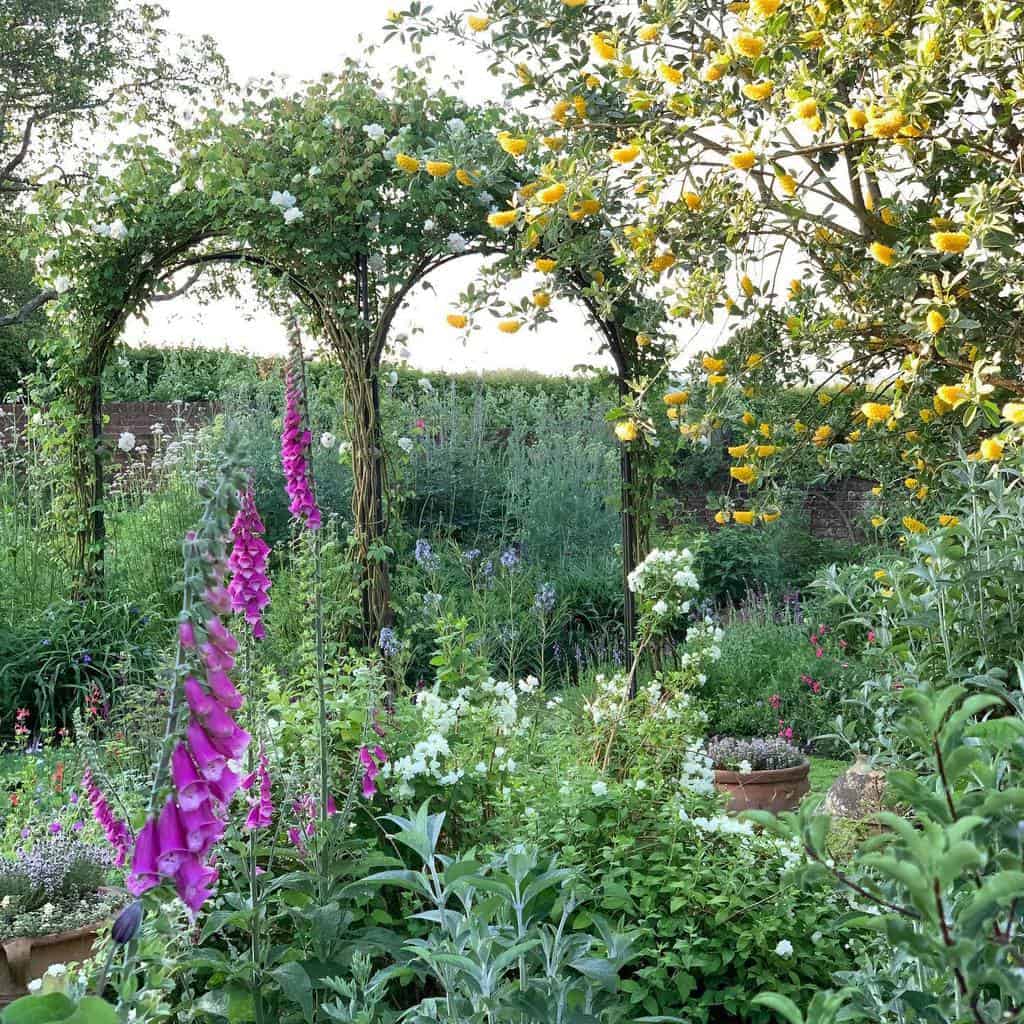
x,y
361,245
360,356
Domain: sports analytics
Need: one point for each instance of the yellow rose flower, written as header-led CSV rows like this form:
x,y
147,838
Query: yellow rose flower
x,y
856,118
722,517
463,177
712,72
512,145
952,395
456,320
743,159
579,104
914,525
786,182
438,168
603,46
509,326
822,436
560,111
748,44
885,126
661,262
876,522
991,449
648,33
855,435
876,412
935,321
745,474
765,451
587,208
676,397
671,75
477,22
692,201
754,360
950,241
739,451
948,520
758,91
765,430
1013,412
545,265
882,253
643,340
910,483
553,142
749,419
806,109
407,163
713,365
625,430
748,289
541,299
624,154
716,379
501,218
552,193
743,517
764,8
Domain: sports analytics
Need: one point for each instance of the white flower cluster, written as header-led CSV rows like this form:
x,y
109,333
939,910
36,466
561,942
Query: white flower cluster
x,y
696,772
703,644
611,701
665,580
493,708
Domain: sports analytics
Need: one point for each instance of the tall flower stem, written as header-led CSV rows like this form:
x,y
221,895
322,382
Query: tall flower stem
x,y
321,693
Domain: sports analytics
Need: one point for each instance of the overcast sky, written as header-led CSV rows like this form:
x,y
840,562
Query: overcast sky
x,y
302,39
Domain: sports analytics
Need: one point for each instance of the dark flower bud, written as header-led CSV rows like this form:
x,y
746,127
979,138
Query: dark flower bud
x,y
126,927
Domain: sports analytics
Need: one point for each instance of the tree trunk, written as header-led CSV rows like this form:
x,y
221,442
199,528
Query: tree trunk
x,y
369,512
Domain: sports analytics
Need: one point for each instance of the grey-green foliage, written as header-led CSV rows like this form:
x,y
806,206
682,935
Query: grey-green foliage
x,y
943,882
501,946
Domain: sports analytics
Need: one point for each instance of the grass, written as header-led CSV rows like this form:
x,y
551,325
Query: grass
x,y
824,772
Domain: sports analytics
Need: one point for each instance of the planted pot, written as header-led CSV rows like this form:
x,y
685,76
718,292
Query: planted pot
x,y
774,789
24,959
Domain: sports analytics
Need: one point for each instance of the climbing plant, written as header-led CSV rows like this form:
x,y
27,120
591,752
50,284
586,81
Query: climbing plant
x,y
335,203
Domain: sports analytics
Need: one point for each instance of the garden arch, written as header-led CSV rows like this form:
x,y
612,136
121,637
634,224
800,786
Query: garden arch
x,y
363,228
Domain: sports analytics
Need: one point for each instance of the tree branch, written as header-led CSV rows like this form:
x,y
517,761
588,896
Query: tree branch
x,y
30,307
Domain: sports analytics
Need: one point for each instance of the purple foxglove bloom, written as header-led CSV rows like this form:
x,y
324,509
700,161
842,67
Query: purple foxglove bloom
x,y
234,746
192,790
199,701
186,635
295,458
144,874
215,659
220,636
226,786
194,882
210,761
217,722
261,810
248,562
202,828
224,690
171,838
117,831
218,600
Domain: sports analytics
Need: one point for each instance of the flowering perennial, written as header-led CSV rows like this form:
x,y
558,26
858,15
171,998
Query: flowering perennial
x,y
295,458
117,831
261,806
248,564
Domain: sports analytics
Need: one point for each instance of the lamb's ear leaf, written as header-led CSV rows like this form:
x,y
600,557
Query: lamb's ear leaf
x,y
39,1009
782,1005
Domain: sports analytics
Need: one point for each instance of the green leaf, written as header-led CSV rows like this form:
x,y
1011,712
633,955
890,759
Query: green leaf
x,y
93,1010
782,1005
995,892
38,1009
295,985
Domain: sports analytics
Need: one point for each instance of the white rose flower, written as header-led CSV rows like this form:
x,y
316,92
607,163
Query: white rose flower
x,y
126,442
456,125
374,131
327,439
177,188
292,214
392,378
599,788
117,230
429,224
406,444
62,284
784,948
456,242
660,608
282,200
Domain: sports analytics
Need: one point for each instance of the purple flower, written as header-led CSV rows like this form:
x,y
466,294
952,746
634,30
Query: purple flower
x,y
371,759
544,602
127,924
248,564
425,556
296,458
261,809
55,827
510,558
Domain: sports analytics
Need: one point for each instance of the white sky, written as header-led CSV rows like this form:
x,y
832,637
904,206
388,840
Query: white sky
x,y
302,39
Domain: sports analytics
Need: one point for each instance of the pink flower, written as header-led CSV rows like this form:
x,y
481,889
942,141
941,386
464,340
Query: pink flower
x,y
117,831
871,636
296,458
775,701
261,809
248,563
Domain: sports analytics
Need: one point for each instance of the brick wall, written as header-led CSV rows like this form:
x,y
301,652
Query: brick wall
x,y
136,418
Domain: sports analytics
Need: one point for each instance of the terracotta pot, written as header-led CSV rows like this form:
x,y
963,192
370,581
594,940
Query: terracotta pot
x,y
778,789
25,959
